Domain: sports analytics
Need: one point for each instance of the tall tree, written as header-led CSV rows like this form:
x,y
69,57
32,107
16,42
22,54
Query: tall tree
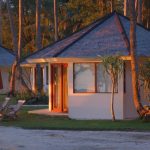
x,y
18,56
125,7
134,65
20,30
104,7
139,12
12,27
55,20
0,21
38,27
15,47
112,5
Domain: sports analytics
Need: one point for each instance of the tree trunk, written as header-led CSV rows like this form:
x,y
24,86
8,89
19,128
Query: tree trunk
x,y
55,20
148,19
38,27
12,79
112,6
134,65
18,55
125,7
103,7
15,47
112,99
139,13
0,22
136,5
20,30
12,27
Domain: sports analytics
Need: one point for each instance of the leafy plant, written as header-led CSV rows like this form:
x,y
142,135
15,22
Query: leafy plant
x,y
113,66
144,76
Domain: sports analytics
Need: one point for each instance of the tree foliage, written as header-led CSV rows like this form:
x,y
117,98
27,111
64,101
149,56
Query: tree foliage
x,y
72,16
144,72
113,65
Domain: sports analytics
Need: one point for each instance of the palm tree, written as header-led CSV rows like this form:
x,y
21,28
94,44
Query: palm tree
x,y
139,12
18,56
20,30
113,66
15,45
134,65
125,7
55,20
12,27
38,28
38,46
112,5
0,21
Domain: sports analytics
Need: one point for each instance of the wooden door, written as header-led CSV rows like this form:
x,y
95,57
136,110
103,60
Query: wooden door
x,y
59,87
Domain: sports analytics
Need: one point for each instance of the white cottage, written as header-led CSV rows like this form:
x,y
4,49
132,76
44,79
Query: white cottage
x,y
74,73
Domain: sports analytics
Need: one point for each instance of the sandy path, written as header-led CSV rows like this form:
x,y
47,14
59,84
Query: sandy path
x,y
20,139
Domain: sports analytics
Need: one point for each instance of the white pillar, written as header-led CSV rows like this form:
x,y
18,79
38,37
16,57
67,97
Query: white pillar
x,y
33,78
49,86
44,79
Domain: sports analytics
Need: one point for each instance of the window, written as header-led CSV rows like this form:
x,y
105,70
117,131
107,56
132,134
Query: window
x,y
103,79
91,77
84,77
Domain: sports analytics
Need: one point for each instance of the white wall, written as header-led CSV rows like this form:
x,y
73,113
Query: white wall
x,y
129,109
94,105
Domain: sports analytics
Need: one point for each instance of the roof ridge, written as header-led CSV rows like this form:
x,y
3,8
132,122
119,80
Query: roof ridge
x,y
88,31
8,50
122,31
142,26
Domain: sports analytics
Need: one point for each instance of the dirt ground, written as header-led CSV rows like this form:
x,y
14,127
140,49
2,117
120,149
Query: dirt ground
x,y
20,139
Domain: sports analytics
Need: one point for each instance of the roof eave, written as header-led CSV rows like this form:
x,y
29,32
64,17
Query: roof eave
x,y
70,59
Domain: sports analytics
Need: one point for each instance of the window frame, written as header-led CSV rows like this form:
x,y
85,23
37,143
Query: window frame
x,y
95,79
74,91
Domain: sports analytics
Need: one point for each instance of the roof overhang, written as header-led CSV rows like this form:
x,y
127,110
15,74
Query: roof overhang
x,y
32,62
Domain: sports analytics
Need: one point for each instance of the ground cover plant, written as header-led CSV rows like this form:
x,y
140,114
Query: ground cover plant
x,y
30,121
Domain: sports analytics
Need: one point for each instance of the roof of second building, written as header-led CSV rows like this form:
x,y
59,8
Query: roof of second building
x,y
7,57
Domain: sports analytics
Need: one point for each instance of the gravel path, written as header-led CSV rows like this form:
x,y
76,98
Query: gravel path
x,y
20,139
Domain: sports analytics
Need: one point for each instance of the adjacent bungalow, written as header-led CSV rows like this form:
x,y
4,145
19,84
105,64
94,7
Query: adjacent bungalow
x,y
7,58
74,75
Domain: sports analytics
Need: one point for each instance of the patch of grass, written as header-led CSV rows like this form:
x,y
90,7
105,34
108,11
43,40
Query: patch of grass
x,y
30,121
12,101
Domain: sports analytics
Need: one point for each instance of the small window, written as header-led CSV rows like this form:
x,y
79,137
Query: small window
x,y
104,82
84,77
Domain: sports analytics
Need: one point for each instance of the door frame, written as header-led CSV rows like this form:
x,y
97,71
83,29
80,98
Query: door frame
x,y
62,82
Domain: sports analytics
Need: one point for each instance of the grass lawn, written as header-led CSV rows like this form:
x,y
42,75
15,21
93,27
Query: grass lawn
x,y
12,101
30,121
